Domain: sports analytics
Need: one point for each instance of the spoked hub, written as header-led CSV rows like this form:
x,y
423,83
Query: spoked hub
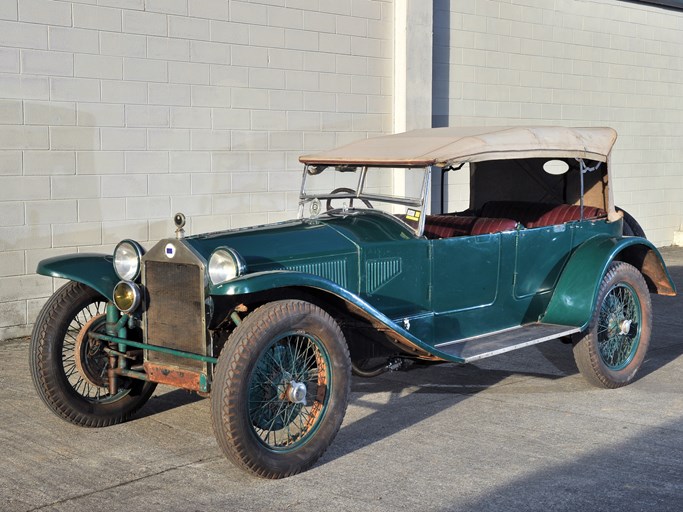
x,y
90,359
288,391
86,363
296,393
89,364
619,327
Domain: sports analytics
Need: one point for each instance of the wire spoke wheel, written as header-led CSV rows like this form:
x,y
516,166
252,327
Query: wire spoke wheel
x,y
84,361
288,391
281,388
619,326
69,368
616,341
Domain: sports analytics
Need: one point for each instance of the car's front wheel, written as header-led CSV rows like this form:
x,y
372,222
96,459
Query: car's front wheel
x,y
614,346
281,388
69,369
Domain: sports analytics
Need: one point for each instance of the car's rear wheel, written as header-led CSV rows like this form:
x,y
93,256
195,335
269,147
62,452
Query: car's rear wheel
x,y
69,369
614,346
281,388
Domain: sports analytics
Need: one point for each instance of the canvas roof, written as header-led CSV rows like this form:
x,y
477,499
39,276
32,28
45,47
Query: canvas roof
x,y
447,146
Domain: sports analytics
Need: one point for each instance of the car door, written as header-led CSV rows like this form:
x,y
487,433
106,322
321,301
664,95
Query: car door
x,y
467,275
540,255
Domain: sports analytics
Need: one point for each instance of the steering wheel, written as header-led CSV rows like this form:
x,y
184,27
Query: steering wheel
x,y
345,190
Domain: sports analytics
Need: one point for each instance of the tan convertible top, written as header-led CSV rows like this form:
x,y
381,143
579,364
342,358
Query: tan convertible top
x,y
447,146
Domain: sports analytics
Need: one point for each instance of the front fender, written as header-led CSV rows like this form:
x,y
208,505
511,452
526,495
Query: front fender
x,y
576,293
269,280
93,270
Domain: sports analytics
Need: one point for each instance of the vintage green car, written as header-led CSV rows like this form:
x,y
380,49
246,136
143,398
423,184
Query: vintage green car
x,y
271,321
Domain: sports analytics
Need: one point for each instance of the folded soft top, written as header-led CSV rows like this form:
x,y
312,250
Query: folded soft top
x,y
453,145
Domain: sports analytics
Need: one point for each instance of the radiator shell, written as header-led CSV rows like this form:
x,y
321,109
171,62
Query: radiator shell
x,y
174,280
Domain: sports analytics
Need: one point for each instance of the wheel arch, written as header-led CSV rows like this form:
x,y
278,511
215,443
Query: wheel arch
x,y
648,260
91,269
575,295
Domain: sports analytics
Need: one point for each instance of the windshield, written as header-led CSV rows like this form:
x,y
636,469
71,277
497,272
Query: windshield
x,y
396,191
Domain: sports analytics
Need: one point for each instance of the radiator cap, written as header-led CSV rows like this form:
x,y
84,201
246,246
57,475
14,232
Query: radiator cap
x,y
179,221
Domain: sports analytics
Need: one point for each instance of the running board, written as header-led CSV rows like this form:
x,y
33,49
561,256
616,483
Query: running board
x,y
479,347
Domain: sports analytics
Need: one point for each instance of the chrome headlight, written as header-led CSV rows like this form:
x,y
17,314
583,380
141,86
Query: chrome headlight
x,y
127,256
225,264
126,296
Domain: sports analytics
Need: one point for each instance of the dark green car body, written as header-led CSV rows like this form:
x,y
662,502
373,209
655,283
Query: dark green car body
x,y
426,292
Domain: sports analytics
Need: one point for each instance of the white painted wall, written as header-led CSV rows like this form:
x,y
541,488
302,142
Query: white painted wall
x,y
576,63
114,114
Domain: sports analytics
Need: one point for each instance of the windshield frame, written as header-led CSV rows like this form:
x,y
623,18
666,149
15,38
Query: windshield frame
x,y
418,202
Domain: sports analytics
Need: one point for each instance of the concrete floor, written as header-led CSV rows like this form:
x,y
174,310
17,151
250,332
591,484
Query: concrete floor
x,y
521,431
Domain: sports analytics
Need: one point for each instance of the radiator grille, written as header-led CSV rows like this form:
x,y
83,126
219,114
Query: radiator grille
x,y
175,311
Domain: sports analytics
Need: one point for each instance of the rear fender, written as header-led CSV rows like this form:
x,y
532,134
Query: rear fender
x,y
93,270
270,280
576,293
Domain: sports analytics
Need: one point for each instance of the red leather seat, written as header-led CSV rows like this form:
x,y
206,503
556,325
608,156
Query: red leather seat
x,y
534,215
567,213
448,226
485,226
526,213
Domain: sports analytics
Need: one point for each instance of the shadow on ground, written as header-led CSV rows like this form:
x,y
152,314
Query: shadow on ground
x,y
426,390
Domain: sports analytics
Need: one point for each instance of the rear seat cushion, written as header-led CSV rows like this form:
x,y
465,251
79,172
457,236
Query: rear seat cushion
x,y
567,213
534,215
523,212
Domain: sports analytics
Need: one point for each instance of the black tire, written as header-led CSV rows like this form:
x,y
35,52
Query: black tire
x,y
616,341
71,382
631,226
252,400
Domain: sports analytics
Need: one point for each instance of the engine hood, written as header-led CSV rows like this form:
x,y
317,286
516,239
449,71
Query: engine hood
x,y
279,246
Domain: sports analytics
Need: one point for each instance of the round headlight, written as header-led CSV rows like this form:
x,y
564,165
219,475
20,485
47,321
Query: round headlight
x,y
127,260
224,265
126,296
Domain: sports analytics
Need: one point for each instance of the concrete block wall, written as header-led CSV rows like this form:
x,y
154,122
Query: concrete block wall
x,y
577,63
114,114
